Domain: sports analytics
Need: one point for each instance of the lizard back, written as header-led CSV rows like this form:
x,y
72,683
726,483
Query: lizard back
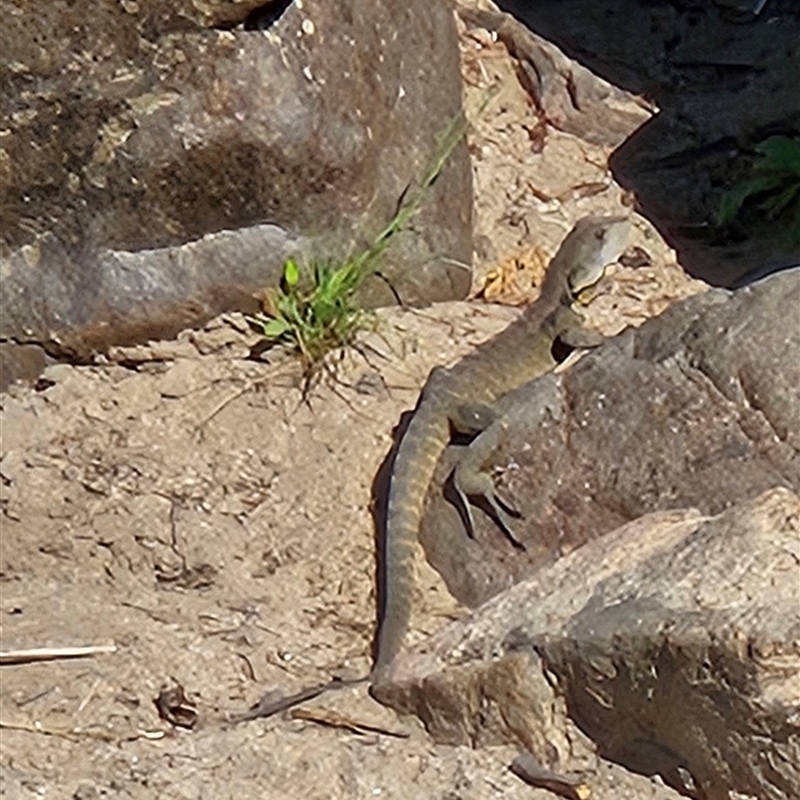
x,y
516,355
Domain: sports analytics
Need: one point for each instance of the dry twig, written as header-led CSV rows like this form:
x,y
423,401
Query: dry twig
x,y
334,719
53,653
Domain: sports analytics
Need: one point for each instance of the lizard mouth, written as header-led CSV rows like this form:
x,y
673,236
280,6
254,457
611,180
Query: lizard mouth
x,y
610,242
583,297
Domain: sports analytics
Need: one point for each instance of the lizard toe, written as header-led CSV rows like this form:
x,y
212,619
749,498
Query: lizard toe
x,y
469,483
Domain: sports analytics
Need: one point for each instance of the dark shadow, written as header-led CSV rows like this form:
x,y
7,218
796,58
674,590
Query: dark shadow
x,y
263,17
724,79
378,508
451,496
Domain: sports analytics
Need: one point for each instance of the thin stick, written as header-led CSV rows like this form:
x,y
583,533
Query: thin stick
x,y
53,654
274,702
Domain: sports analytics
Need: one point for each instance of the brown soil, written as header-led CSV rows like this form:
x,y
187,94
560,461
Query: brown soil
x,y
182,503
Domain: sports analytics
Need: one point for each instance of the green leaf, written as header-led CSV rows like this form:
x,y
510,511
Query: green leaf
x,y
781,154
793,234
339,282
775,204
733,200
275,328
290,309
291,272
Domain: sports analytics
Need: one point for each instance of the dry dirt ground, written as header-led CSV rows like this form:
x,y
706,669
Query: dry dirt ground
x,y
183,504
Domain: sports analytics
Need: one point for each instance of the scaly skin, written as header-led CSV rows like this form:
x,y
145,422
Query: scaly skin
x,y
515,356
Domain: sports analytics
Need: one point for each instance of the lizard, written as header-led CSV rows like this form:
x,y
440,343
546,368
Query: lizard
x,y
460,398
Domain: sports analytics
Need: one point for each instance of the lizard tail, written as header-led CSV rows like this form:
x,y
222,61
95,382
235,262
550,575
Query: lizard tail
x,y
423,443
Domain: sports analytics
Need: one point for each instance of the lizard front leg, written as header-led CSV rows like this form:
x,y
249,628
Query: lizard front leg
x,y
469,477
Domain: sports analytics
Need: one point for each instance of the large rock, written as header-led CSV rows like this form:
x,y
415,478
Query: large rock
x,y
671,642
660,611
697,408
723,78
156,171
570,97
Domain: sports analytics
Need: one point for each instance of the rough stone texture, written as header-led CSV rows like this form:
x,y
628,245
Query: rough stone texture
x,y
129,128
676,647
569,96
532,182
123,300
696,408
723,80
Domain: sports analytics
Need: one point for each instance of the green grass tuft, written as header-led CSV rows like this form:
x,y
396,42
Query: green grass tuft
x,y
314,310
771,191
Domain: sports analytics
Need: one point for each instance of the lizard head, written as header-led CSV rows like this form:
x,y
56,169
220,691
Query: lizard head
x,y
598,242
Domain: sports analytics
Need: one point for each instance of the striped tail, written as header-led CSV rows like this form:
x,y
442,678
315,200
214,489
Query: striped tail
x,y
423,443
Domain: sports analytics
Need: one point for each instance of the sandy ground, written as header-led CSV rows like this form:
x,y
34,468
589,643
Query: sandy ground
x,y
184,504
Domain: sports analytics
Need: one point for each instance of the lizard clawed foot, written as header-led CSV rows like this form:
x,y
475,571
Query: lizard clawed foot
x,y
469,483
